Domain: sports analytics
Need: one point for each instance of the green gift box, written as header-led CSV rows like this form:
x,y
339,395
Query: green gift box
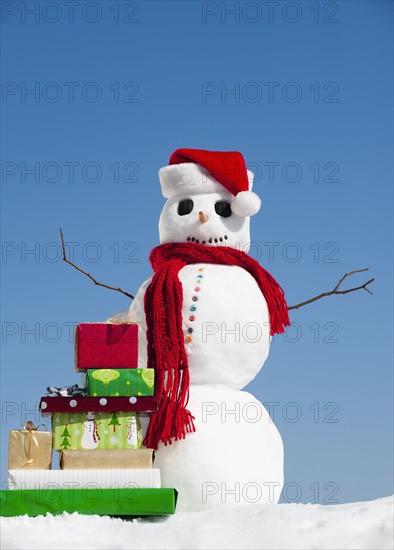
x,y
109,502
101,430
122,382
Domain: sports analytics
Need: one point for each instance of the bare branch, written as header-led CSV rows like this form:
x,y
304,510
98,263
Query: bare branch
x,y
88,274
336,290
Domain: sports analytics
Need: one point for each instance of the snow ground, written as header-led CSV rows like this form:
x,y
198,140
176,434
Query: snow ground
x,y
361,525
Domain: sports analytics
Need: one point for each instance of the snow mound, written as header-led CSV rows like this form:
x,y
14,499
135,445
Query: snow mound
x,y
361,525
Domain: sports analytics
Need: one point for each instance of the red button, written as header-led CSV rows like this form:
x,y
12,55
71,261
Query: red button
x,y
197,289
191,318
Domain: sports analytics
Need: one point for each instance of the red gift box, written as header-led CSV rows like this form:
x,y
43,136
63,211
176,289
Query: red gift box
x,y
98,404
106,346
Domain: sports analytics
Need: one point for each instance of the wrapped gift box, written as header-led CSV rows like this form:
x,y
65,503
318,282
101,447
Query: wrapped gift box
x,y
116,430
122,382
107,459
108,502
30,448
106,346
99,404
80,479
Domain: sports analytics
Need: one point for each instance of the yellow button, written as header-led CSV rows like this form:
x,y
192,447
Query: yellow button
x,y
188,339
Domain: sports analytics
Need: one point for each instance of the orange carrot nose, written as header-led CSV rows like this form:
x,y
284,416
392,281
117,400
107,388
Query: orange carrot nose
x,y
202,217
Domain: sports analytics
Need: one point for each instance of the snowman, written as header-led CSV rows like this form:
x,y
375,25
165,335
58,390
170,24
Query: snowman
x,y
90,437
206,319
132,435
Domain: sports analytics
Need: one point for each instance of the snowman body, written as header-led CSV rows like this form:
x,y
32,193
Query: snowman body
x,y
235,457
236,454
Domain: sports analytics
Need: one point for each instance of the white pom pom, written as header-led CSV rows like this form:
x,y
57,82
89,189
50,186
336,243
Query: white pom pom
x,y
246,203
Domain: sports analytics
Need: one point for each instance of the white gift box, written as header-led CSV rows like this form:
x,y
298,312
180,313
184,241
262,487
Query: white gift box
x,y
81,479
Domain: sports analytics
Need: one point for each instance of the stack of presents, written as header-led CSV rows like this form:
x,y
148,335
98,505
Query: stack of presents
x,y
97,429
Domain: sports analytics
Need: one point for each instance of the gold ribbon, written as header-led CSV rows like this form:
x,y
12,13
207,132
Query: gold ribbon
x,y
31,440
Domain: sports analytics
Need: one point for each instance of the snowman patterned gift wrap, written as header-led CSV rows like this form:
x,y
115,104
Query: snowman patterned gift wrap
x,y
101,430
206,319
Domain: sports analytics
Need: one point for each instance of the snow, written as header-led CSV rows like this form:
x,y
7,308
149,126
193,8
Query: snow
x,y
362,525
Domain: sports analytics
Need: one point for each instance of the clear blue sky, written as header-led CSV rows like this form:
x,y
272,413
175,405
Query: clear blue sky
x,y
304,91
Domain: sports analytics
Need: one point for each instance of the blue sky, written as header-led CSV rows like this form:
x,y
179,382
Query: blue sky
x,y
304,91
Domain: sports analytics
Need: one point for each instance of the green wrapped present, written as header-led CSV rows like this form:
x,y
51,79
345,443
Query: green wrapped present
x,y
120,382
109,502
101,430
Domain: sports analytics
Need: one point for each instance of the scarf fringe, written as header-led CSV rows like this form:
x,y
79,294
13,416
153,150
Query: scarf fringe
x,y
173,420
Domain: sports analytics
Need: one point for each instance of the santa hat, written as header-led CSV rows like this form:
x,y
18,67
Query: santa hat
x,y
200,171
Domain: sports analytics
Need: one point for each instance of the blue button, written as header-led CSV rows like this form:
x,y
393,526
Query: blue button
x,y
200,276
193,308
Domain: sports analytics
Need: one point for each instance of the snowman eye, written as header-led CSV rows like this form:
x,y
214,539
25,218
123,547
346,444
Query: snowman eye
x,y
223,208
185,207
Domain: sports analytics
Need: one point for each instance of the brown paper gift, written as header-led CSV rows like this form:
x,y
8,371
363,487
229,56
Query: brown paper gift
x,y
30,449
106,459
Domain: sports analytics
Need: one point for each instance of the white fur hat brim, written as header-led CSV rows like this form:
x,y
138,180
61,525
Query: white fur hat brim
x,y
192,178
189,177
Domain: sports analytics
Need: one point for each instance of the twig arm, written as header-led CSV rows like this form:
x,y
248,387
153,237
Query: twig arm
x,y
88,274
336,290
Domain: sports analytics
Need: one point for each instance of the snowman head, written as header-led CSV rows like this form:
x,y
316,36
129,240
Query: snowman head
x,y
209,199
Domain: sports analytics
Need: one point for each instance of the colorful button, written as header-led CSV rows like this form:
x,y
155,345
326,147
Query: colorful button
x,y
197,289
192,318
193,308
188,339
195,298
200,269
200,276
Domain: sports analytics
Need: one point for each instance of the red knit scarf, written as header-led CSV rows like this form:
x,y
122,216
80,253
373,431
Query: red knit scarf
x,y
166,349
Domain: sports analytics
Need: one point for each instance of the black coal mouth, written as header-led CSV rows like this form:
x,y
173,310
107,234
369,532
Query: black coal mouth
x,y
210,240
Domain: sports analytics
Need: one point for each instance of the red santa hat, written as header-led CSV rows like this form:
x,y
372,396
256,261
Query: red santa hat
x,y
200,171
